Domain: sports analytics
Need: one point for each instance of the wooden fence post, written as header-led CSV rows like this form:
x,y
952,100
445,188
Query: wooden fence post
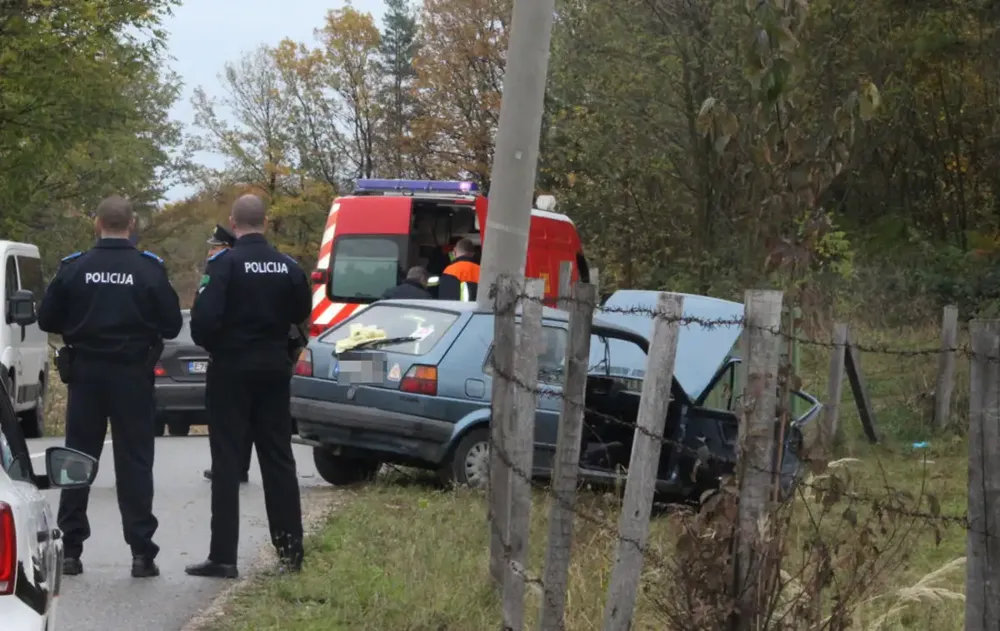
x,y
521,451
982,589
633,528
946,367
830,431
565,285
859,387
567,458
755,452
501,417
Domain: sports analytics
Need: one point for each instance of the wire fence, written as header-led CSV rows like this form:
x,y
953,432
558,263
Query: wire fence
x,y
753,574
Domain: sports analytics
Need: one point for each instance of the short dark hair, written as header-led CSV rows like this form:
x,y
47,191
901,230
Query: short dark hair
x,y
249,211
418,273
465,246
115,213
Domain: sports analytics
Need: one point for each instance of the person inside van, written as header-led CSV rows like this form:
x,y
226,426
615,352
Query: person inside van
x,y
413,287
460,280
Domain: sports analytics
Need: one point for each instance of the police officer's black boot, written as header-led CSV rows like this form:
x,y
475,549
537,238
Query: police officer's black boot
x,y
144,567
211,569
72,566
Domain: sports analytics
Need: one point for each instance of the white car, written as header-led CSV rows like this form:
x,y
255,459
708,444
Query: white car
x,y
31,547
24,350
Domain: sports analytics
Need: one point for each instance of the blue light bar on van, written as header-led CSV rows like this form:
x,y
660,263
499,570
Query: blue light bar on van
x,y
416,186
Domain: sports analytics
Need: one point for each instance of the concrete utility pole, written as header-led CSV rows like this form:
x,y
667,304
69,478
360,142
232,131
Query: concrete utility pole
x,y
515,159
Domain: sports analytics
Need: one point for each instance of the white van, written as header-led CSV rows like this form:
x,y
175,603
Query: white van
x,y
24,352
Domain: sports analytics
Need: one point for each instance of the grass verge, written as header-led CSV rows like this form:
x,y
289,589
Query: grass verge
x,y
404,555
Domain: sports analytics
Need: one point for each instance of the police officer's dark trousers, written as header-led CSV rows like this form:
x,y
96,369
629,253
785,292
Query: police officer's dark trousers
x,y
252,403
122,391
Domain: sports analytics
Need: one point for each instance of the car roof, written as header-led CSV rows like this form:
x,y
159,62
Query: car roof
x,y
548,313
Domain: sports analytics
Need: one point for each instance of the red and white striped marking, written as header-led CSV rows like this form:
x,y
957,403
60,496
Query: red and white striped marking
x,y
325,312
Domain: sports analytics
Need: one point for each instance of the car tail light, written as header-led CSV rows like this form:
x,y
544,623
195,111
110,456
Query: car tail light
x,y
160,371
304,366
8,550
318,277
420,380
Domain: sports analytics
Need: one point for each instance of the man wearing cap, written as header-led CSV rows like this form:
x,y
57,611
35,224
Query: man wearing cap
x,y
223,239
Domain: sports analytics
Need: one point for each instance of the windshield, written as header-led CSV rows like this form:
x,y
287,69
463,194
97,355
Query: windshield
x,y
423,328
621,359
364,267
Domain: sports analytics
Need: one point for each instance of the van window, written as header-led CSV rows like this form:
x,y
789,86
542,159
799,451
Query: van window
x,y
10,277
425,326
31,276
551,358
364,268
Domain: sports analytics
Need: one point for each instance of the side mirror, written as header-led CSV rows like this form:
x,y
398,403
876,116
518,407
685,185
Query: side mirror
x,y
21,308
69,469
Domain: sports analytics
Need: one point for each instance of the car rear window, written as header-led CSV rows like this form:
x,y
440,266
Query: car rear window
x,y
428,326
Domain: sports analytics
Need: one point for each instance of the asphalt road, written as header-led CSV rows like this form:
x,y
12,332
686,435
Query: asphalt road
x,y
105,597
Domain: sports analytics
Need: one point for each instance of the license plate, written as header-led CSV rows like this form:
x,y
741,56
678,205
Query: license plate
x,y
197,368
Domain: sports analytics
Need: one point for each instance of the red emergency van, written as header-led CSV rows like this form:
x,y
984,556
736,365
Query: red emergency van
x,y
387,226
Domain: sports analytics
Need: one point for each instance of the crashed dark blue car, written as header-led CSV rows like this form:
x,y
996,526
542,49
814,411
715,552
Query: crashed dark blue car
x,y
408,382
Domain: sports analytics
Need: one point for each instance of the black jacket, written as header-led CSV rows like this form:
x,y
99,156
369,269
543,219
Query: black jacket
x,y
111,301
408,289
249,297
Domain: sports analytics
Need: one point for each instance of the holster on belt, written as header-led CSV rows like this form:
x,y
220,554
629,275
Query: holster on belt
x,y
64,364
298,338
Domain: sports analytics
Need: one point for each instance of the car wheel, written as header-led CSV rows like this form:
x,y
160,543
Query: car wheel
x,y
470,461
33,420
342,471
159,427
179,428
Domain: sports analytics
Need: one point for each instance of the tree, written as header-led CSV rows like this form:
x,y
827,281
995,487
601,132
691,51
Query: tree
x,y
83,112
258,147
315,112
351,43
396,53
459,77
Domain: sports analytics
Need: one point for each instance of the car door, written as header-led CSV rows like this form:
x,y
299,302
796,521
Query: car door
x,y
34,341
549,385
12,332
38,541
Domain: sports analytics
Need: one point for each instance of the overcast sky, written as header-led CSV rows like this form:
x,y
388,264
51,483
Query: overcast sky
x,y
205,34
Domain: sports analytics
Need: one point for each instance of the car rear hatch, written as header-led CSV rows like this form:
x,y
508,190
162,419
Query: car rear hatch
x,y
394,345
182,359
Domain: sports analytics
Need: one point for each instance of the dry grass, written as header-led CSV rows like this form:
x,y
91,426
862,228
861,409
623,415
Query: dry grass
x,y
55,405
402,554
407,556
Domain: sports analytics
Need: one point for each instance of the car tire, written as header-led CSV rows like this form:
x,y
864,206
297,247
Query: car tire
x,y
180,428
343,471
33,420
159,427
469,464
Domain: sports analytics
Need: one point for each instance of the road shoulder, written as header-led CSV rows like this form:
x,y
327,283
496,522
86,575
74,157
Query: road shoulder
x,y
317,505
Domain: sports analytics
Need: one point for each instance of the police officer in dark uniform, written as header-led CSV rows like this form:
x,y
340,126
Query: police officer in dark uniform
x,y
220,240
249,297
113,306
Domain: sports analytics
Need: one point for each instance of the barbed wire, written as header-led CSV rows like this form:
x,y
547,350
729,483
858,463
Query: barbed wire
x,y
681,449
964,350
